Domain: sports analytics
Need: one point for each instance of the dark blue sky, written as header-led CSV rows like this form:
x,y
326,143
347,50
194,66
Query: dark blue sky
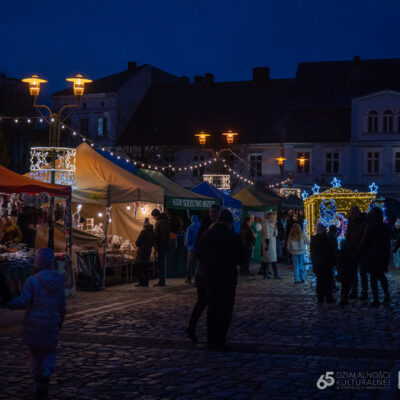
x,y
191,37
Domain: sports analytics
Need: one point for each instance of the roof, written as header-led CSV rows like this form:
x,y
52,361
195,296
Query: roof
x,y
176,196
173,113
98,180
11,182
207,189
112,83
254,196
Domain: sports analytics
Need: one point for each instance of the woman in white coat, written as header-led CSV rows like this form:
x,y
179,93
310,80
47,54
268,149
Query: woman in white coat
x,y
269,234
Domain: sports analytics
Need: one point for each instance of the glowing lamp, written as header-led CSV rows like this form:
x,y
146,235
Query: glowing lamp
x,y
79,84
302,161
280,160
34,84
202,137
230,136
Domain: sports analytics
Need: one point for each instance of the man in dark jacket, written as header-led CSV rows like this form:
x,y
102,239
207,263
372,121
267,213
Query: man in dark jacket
x,y
161,232
144,243
375,246
201,302
246,235
322,251
355,229
220,251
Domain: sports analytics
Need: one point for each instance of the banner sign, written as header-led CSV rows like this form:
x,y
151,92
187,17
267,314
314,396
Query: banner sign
x,y
192,204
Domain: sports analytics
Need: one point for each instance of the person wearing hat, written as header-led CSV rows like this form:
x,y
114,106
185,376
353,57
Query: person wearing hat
x,y
220,252
144,243
43,297
161,232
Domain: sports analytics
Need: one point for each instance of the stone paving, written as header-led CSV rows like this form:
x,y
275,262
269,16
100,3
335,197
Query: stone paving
x,y
129,343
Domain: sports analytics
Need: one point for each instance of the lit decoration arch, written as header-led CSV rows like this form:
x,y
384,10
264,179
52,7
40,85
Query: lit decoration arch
x,y
340,199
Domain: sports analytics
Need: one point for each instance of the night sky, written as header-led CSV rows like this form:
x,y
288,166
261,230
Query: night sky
x,y
226,38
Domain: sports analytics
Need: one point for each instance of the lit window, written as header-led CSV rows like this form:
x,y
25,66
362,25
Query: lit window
x,y
332,163
373,158
373,121
255,165
388,121
102,126
303,163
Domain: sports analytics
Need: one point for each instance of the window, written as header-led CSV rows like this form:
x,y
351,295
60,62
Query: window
x,y
84,126
83,106
102,104
332,163
255,165
397,162
388,121
373,162
102,126
303,167
373,121
199,171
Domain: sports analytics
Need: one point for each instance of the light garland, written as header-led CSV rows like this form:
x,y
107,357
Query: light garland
x,y
279,183
174,168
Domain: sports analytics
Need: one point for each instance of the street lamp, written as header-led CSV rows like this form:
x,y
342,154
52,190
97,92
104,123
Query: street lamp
x,y
302,161
230,136
54,159
202,137
281,161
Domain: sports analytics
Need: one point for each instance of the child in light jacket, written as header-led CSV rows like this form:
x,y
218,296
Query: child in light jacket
x,y
297,242
43,297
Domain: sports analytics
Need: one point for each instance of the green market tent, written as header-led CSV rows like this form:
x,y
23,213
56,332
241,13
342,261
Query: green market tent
x,y
258,198
177,197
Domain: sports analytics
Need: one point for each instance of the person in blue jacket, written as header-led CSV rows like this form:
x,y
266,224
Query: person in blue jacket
x,y
43,297
191,236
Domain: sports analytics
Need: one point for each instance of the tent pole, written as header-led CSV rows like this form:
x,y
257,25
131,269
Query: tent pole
x,y
106,235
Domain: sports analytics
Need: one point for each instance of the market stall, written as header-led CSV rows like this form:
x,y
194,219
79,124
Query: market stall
x,y
24,206
110,202
234,205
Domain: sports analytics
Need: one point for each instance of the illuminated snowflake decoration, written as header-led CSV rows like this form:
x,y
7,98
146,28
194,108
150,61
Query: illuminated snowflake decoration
x,y
220,181
315,189
373,188
304,195
336,183
63,167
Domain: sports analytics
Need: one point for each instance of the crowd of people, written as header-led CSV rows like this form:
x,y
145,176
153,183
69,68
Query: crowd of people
x,y
214,253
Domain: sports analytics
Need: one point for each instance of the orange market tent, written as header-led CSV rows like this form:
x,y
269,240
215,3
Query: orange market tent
x,y
11,182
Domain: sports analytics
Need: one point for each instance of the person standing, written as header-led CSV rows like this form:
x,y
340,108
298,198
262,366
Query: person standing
x,y
270,233
347,269
355,229
161,232
322,252
332,234
296,245
375,246
43,297
191,236
248,240
396,243
257,228
220,251
144,243
201,302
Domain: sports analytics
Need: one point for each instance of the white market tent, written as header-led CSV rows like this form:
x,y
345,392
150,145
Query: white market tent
x,y
100,181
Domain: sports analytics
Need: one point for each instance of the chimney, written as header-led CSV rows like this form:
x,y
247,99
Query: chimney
x,y
185,79
356,58
208,78
131,65
198,80
261,74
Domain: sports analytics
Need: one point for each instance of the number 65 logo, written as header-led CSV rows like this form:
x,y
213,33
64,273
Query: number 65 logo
x,y
326,380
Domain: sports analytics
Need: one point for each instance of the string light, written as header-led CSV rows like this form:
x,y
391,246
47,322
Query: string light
x,y
279,183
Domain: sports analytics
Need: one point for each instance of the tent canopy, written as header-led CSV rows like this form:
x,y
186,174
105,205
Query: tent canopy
x,y
11,182
98,180
258,198
206,189
176,196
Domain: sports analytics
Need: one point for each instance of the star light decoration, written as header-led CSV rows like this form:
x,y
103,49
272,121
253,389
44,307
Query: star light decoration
x,y
336,183
315,189
373,188
304,195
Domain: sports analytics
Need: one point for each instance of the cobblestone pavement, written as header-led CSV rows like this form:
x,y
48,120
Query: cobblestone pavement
x,y
129,343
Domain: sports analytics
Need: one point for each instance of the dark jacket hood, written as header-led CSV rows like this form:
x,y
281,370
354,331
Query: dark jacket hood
x,y
52,281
